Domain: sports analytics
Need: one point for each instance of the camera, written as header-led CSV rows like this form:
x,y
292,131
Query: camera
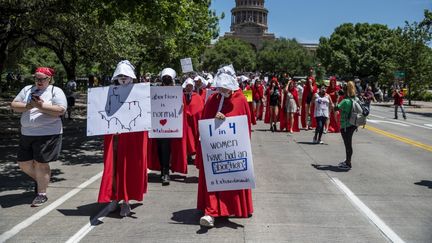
x,y
341,92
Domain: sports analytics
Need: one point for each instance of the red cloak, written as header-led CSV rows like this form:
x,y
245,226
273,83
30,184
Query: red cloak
x,y
284,121
201,92
258,94
178,161
193,109
130,169
225,203
332,89
306,92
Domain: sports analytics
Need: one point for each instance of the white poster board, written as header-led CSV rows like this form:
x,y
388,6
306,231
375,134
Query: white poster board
x,y
186,65
166,112
209,92
118,109
227,154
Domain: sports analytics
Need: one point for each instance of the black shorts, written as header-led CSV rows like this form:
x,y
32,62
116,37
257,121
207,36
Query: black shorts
x,y
42,149
70,101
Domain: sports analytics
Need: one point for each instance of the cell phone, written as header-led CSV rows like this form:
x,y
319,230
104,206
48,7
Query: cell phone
x,y
35,97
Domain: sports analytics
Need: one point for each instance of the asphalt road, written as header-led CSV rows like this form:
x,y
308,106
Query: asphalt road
x,y
301,196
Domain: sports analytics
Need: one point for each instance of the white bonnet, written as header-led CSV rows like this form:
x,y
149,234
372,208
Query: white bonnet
x,y
226,78
124,68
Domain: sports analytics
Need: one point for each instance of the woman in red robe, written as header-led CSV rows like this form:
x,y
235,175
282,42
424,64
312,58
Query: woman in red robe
x,y
165,154
333,92
125,159
258,96
290,109
230,101
309,91
245,87
274,98
193,110
200,86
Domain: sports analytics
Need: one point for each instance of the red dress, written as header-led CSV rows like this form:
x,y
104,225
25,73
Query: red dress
x,y
201,92
225,203
130,170
258,95
306,92
284,120
178,161
332,89
193,109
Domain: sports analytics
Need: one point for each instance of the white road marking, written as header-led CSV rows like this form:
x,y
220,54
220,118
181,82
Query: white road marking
x,y
389,122
427,126
78,236
35,217
377,116
389,233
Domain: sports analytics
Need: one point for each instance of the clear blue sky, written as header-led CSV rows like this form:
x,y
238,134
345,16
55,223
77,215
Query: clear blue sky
x,y
308,20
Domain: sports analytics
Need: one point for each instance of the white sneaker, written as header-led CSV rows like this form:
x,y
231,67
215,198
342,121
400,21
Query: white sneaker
x,y
321,142
207,221
125,209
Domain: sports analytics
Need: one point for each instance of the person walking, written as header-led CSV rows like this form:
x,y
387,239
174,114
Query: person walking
x,y
290,108
229,101
347,129
71,87
398,102
323,103
167,154
125,158
274,95
41,106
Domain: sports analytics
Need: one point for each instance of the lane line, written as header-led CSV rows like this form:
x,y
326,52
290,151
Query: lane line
x,y
35,217
400,138
78,236
389,233
382,117
388,122
404,122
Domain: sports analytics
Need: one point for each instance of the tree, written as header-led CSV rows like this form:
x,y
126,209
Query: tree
x,y
364,50
230,51
284,55
414,57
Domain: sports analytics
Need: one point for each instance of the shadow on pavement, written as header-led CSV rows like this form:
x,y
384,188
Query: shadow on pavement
x,y
424,183
12,200
192,217
77,149
12,178
328,168
309,143
155,178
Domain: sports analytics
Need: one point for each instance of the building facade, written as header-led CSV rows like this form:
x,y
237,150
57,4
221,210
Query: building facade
x,y
249,22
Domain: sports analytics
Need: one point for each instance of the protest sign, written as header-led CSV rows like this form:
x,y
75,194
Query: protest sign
x,y
186,65
248,95
118,109
227,154
166,112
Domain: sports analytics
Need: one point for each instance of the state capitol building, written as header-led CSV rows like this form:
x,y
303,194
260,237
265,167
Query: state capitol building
x,y
249,23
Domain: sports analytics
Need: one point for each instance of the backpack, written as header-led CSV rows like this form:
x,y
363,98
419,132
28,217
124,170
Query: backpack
x,y
359,112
